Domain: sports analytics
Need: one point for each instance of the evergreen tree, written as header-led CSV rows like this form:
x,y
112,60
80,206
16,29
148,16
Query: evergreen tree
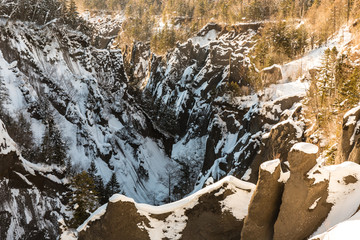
x,y
112,186
184,184
350,89
83,200
100,188
4,93
92,171
72,14
326,76
99,184
53,147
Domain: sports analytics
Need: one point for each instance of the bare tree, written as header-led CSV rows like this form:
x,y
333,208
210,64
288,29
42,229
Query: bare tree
x,y
169,179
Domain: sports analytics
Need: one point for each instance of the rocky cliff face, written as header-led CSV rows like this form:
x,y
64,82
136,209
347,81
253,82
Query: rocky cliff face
x,y
162,106
31,195
349,145
188,97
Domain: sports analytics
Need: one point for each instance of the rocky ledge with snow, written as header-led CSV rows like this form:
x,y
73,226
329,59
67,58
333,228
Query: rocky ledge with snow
x,y
215,212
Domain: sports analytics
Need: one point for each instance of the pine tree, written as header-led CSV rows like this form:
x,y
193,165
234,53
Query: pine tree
x,y
72,13
4,94
350,89
83,200
112,186
53,147
99,184
92,171
100,188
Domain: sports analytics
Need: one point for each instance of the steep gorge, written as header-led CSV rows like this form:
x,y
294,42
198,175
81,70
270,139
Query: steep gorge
x,y
135,113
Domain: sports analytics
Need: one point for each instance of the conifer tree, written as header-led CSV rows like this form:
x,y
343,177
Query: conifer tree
x,y
83,200
72,13
350,89
99,184
53,147
112,186
4,94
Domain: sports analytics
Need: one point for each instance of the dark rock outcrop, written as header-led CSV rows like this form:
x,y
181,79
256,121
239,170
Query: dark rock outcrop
x,y
30,202
278,142
349,149
271,75
259,223
121,221
304,206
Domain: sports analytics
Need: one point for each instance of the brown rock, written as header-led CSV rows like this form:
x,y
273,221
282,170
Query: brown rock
x,y
211,218
121,221
277,145
264,206
349,149
304,205
206,221
350,179
270,75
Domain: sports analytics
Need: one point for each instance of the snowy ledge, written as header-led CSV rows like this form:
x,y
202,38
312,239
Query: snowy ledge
x,y
270,166
182,204
94,216
307,148
185,201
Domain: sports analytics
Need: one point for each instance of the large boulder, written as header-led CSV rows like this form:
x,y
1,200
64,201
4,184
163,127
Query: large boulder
x,y
121,221
304,206
265,203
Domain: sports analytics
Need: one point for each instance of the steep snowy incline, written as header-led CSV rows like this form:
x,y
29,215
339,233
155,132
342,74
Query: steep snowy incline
x,y
30,195
86,92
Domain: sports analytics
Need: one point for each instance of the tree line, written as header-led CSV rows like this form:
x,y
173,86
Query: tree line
x,y
180,19
43,12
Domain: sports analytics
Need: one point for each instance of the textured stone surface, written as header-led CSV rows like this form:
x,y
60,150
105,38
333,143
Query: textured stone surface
x,y
299,216
264,206
349,149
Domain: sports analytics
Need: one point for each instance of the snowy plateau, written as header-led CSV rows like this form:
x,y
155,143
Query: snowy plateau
x,y
173,116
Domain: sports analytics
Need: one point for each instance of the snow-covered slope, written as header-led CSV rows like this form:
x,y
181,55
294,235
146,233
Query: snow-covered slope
x,y
87,91
187,97
349,229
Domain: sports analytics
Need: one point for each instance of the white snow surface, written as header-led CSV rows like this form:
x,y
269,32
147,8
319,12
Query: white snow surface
x,y
94,216
206,39
344,196
313,59
307,148
349,230
351,111
270,166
